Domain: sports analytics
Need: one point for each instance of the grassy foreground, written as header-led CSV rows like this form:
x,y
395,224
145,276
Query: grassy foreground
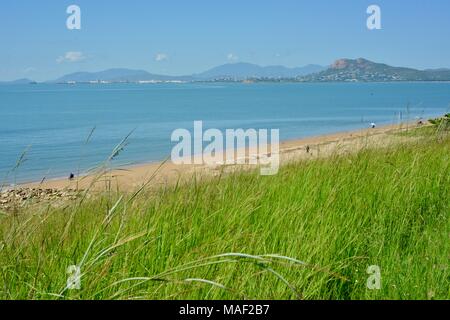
x,y
309,232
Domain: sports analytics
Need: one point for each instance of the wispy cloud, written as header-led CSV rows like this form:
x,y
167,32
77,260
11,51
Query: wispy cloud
x,y
71,56
232,57
161,57
29,70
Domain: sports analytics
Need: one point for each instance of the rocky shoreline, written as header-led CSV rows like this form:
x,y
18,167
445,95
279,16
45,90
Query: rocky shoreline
x,y
20,197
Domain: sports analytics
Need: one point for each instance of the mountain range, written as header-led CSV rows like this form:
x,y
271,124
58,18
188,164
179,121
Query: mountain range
x,y
342,70
231,71
241,71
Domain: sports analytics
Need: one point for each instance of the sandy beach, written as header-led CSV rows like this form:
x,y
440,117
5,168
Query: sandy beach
x,y
162,173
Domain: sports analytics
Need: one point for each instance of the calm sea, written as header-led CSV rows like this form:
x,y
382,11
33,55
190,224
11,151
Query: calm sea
x,y
51,122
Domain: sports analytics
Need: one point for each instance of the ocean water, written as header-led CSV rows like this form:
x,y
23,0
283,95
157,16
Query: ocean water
x,y
51,122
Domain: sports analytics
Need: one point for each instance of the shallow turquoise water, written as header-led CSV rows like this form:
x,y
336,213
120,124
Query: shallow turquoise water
x,y
53,121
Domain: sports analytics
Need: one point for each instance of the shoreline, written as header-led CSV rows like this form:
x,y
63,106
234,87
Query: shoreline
x,y
134,176
275,81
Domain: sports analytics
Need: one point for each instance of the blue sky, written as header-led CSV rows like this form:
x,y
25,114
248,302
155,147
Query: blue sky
x,y
186,36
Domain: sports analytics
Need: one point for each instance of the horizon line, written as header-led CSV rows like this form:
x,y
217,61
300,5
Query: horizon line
x,y
224,64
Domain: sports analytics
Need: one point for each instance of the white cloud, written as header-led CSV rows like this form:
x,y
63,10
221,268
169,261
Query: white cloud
x,y
161,57
71,56
232,57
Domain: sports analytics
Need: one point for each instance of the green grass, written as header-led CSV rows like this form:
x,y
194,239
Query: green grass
x,y
323,221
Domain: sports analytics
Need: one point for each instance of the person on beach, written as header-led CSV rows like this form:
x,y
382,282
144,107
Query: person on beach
x,y
373,125
307,149
71,176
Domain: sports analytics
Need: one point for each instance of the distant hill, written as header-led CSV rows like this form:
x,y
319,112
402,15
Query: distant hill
x,y
19,81
248,70
117,75
365,70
